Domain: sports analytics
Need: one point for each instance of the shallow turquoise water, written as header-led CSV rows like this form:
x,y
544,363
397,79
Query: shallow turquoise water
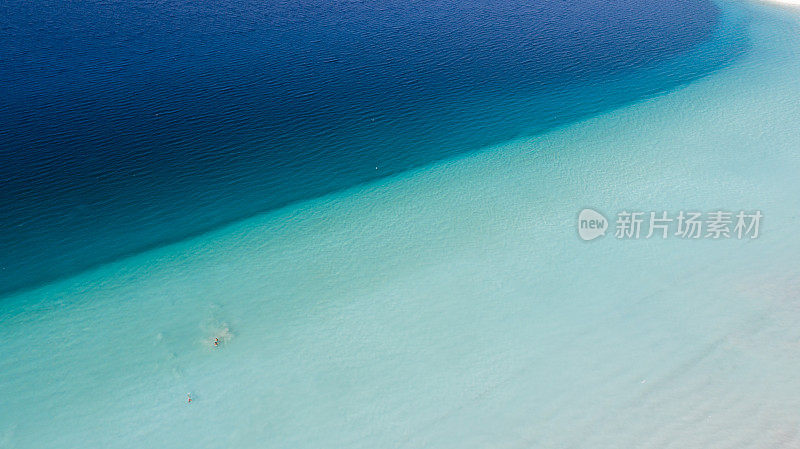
x,y
130,125
454,305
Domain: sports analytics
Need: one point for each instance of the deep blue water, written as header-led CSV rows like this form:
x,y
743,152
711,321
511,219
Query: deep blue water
x,y
129,124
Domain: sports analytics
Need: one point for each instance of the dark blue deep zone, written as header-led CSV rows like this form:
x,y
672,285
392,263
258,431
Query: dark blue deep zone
x,y
128,124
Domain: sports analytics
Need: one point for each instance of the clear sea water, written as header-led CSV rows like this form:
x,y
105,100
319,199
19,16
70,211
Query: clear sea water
x,y
128,125
451,304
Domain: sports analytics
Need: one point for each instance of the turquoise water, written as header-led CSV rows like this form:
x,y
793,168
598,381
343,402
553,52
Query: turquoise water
x,y
130,125
454,305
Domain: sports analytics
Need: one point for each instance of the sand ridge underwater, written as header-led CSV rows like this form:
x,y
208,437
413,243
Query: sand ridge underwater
x,y
454,305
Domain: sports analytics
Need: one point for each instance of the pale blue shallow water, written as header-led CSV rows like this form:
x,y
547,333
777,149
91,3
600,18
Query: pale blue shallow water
x,y
125,126
453,305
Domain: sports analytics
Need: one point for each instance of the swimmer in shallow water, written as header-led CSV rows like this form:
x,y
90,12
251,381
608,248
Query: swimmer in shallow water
x,y
216,341
189,397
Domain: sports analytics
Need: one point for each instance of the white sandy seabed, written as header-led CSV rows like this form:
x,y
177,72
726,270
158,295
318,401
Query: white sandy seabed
x,y
454,306
785,2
